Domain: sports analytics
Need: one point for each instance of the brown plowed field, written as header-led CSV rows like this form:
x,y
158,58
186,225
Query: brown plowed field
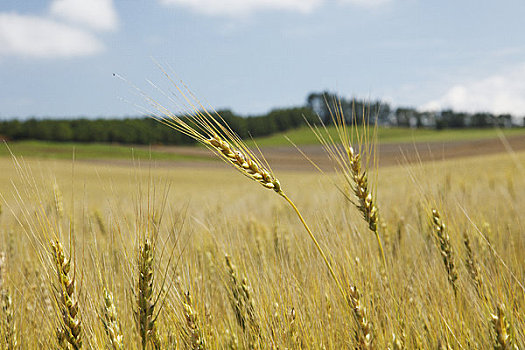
x,y
289,158
400,153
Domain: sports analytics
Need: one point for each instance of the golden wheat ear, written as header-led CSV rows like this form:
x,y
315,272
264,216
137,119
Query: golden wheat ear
x,y
445,247
348,160
71,326
502,329
110,321
363,334
243,304
245,163
212,131
472,266
194,336
145,298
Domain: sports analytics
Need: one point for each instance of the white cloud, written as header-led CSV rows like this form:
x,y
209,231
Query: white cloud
x,y
366,3
239,8
36,37
499,93
96,14
236,8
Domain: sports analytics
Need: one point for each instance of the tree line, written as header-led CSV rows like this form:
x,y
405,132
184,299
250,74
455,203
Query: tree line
x,y
320,107
146,130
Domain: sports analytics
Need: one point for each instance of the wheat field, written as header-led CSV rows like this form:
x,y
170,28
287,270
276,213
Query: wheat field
x,y
98,256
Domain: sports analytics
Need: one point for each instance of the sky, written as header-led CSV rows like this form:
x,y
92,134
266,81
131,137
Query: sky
x,y
58,57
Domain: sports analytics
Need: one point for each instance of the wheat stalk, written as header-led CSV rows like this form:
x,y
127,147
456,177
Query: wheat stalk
x,y
366,203
245,163
9,322
292,328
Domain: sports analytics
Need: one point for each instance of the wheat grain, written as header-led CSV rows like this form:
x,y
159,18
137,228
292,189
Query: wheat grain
x,y
245,163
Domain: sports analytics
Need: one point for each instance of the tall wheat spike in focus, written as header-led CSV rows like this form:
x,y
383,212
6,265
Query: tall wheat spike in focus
x,y
349,162
71,325
214,133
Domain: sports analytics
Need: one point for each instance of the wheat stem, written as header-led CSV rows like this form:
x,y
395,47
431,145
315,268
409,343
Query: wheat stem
x,y
319,249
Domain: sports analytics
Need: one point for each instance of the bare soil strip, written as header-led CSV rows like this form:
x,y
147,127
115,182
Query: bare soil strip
x,y
289,158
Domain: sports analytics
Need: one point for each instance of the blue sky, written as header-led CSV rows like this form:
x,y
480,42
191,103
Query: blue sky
x,y
57,56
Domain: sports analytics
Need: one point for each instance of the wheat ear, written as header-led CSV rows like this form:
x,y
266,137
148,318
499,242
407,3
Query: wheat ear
x,y
71,325
365,200
363,334
195,338
398,342
110,321
245,163
216,135
502,329
473,267
241,299
445,248
144,313
349,162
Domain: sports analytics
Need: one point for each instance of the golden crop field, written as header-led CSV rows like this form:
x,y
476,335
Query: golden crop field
x,y
100,256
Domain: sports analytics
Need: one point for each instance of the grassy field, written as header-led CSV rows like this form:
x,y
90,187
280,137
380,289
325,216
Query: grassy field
x,y
103,256
66,150
301,137
304,136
